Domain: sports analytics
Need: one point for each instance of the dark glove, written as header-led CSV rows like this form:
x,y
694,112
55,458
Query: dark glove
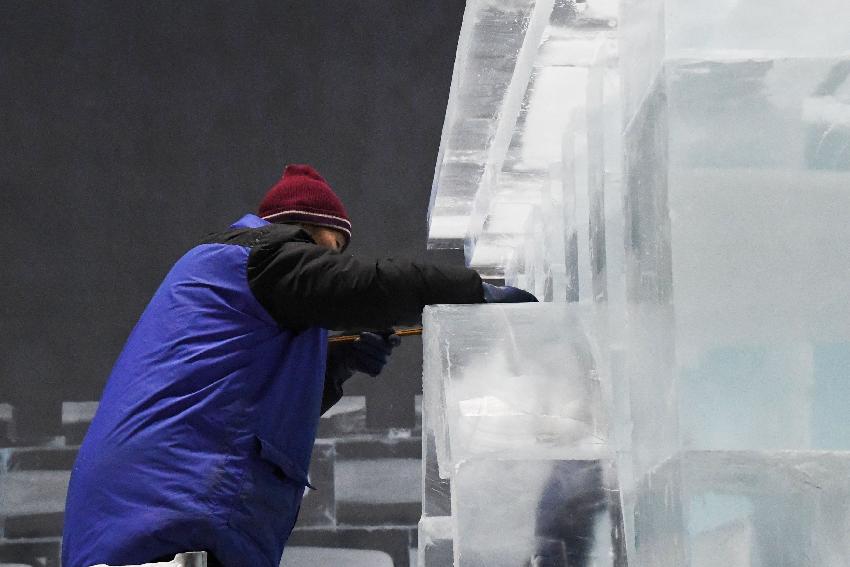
x,y
505,294
368,354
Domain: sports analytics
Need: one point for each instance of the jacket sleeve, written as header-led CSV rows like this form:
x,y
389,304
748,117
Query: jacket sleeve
x,y
303,285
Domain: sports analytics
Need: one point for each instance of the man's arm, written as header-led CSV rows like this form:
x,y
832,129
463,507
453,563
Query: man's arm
x,y
303,285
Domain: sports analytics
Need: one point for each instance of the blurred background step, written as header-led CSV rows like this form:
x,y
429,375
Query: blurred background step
x,y
378,481
294,556
396,542
32,503
41,458
76,418
5,424
42,552
47,524
318,508
33,492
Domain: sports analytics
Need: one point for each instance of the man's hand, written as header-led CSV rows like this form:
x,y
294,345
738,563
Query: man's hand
x,y
506,294
368,354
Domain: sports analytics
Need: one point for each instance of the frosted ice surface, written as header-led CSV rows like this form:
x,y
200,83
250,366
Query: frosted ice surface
x,y
522,380
642,40
797,27
529,167
436,498
734,197
604,156
754,509
758,194
515,512
435,526
741,30
533,80
737,160
491,38
435,542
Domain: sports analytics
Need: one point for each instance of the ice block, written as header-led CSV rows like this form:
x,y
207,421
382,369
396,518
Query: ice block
x,y
735,192
490,49
435,547
737,155
502,202
778,28
435,542
747,509
516,381
521,172
534,512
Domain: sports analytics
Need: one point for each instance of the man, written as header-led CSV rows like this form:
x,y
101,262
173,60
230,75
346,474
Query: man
x,y
203,436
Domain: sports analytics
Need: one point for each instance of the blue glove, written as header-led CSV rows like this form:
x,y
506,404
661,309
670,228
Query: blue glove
x,y
368,354
505,294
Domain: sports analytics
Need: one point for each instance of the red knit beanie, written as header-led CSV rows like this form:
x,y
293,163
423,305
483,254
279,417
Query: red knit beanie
x,y
302,195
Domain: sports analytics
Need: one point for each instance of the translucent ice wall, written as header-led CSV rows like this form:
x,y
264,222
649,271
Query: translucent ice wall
x,y
515,416
520,81
737,163
680,170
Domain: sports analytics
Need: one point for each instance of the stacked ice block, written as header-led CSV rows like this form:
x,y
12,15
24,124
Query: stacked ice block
x,y
737,169
520,78
681,170
514,403
435,526
514,406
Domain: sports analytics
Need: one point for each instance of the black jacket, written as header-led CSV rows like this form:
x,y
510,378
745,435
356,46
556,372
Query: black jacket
x,y
302,285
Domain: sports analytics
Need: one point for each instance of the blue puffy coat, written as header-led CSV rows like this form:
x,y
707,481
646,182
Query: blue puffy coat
x,y
203,436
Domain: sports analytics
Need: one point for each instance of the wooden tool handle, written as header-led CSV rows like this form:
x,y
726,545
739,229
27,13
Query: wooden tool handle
x,y
352,338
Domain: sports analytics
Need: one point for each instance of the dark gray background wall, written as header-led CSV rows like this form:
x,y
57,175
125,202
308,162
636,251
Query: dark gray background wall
x,y
130,129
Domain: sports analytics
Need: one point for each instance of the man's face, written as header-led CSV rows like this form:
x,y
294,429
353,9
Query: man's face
x,y
325,236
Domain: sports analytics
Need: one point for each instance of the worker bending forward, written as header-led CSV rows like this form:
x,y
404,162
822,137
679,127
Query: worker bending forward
x,y
203,436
